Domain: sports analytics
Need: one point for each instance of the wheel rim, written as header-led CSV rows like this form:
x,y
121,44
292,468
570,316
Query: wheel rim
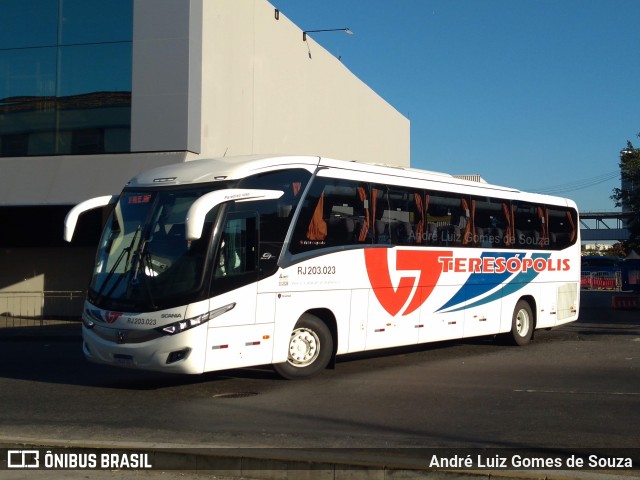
x,y
304,347
523,322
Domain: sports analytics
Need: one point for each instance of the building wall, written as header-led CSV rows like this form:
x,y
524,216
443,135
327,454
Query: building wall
x,y
69,179
37,282
167,78
263,93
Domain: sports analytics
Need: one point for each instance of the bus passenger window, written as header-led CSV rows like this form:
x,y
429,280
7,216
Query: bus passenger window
x,y
528,226
334,213
309,232
447,219
562,227
490,223
380,220
237,251
399,215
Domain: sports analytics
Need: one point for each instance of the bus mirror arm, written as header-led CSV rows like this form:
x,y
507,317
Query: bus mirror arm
x,y
194,222
71,219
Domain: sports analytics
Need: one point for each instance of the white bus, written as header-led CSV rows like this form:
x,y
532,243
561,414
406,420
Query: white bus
x,y
291,261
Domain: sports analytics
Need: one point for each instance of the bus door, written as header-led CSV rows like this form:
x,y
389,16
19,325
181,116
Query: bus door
x,y
235,338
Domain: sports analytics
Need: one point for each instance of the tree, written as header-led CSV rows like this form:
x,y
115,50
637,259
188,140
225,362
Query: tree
x,y
628,195
617,250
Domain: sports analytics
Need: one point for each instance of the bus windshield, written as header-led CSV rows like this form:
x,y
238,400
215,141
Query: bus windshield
x,y
144,261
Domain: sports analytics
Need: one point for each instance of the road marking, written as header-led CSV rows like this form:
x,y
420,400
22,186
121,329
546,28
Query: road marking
x,y
573,392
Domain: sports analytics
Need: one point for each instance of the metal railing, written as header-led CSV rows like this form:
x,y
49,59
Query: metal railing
x,y
37,309
611,281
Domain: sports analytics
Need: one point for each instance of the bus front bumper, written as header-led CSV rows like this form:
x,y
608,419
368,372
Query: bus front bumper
x,y
180,353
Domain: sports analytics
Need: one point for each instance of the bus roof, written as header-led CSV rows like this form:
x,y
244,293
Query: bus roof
x,y
231,168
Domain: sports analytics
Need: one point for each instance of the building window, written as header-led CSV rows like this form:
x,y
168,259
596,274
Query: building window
x,y
66,85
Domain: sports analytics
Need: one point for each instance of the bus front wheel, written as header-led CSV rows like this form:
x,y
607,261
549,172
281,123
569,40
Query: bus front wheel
x,y
522,323
310,349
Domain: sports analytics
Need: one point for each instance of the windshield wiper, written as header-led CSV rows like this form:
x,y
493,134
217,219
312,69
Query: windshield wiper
x,y
126,250
138,261
142,262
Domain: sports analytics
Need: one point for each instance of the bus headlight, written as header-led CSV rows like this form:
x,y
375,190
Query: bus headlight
x,y
188,323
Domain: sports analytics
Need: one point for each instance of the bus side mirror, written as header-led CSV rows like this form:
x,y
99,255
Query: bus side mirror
x,y
71,219
194,222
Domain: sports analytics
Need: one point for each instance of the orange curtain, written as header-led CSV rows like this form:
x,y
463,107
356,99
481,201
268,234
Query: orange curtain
x,y
543,221
508,213
420,226
473,220
469,220
374,202
425,212
573,226
362,193
318,227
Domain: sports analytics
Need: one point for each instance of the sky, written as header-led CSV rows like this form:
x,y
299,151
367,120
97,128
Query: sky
x,y
539,95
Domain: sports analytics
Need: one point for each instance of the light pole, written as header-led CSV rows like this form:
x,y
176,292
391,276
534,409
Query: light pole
x,y
345,30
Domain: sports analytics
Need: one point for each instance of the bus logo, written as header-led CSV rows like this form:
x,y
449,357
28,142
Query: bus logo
x,y
490,276
426,266
111,317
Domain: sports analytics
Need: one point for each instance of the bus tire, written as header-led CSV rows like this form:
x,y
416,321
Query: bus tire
x,y
522,323
310,349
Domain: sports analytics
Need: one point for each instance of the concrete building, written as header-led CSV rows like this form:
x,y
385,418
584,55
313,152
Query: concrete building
x,y
93,92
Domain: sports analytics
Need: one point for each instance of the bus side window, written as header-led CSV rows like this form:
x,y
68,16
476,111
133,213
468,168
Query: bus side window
x,y
351,214
400,215
310,229
380,219
528,226
562,227
236,258
335,213
275,215
490,224
447,219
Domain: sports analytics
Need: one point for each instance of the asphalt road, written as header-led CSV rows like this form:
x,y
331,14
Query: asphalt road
x,y
576,386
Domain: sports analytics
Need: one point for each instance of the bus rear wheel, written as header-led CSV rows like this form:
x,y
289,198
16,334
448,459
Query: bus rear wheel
x,y
522,323
310,349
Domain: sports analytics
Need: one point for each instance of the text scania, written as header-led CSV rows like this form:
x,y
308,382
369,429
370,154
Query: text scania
x,y
502,265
